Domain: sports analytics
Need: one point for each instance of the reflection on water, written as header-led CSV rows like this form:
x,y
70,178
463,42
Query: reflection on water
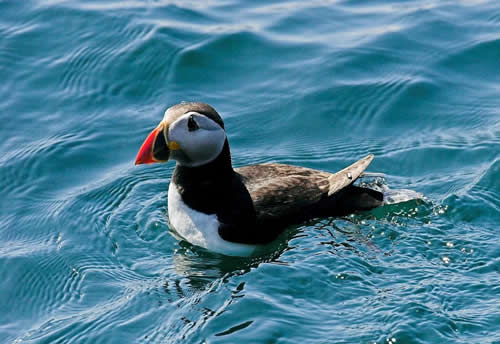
x,y
201,267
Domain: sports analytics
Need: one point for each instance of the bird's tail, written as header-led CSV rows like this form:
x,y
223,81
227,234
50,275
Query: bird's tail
x,y
393,196
365,196
376,181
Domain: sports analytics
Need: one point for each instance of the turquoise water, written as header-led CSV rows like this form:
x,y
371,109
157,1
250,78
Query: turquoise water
x,y
85,250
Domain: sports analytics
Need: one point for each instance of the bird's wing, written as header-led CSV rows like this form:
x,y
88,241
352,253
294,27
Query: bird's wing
x,y
279,190
348,175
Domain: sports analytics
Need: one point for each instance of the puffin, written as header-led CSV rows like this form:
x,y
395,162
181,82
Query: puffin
x,y
239,211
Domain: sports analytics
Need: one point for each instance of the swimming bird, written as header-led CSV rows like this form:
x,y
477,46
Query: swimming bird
x,y
236,211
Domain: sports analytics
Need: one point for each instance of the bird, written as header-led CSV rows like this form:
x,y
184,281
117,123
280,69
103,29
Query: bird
x,y
238,211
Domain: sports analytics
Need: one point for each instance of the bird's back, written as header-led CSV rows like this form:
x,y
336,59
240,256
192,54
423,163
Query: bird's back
x,y
285,194
279,191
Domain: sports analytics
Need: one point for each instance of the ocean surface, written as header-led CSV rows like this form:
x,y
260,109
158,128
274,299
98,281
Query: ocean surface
x,y
86,253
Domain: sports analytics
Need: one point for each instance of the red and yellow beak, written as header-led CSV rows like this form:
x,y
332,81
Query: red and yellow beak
x,y
154,149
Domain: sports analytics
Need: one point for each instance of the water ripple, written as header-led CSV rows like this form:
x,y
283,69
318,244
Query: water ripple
x,y
86,254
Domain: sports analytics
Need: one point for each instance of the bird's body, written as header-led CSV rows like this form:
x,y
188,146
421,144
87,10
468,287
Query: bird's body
x,y
237,211
237,217
201,229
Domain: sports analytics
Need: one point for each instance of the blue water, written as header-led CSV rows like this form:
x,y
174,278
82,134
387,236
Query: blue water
x,y
85,250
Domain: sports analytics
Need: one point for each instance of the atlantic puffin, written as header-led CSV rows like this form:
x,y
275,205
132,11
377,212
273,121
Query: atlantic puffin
x,y
237,211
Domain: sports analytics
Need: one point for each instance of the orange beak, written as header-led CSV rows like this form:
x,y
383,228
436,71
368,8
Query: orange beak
x,y
150,146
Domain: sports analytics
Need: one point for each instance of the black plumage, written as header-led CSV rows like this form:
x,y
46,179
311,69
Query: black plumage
x,y
255,203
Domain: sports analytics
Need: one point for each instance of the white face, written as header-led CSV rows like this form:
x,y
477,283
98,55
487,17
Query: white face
x,y
199,140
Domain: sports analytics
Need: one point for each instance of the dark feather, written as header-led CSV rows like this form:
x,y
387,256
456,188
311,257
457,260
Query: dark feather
x,y
255,203
280,191
283,195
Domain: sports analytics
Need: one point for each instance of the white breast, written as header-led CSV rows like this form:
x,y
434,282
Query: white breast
x,y
201,229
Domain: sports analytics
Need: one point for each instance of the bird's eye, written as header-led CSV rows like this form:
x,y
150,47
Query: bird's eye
x,y
192,125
